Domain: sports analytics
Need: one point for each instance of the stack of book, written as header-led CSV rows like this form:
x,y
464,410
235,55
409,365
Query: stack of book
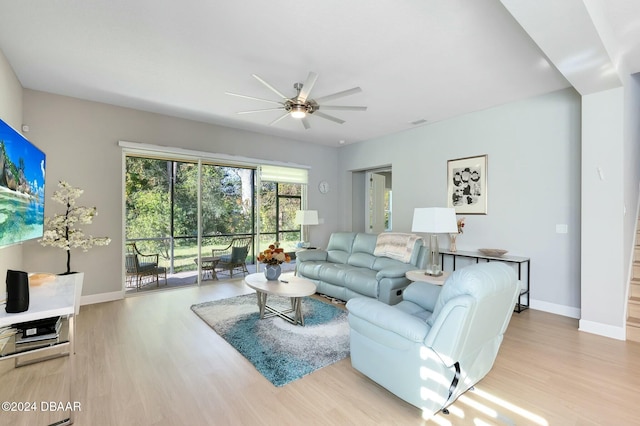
x,y
39,333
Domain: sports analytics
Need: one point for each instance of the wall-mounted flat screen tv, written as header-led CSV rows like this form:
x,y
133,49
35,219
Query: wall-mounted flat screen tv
x,y
22,171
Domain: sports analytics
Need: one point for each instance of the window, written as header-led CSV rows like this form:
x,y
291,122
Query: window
x,y
279,204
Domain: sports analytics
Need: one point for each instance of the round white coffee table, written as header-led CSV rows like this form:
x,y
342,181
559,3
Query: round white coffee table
x,y
287,286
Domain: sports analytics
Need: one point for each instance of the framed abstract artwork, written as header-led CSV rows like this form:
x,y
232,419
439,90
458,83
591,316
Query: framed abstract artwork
x,y
467,185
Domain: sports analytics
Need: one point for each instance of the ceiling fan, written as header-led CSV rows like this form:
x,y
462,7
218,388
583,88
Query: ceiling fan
x,y
301,106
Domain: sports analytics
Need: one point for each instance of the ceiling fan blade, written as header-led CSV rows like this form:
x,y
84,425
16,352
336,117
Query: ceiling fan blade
x,y
270,87
307,86
305,123
261,110
328,117
342,108
338,95
278,119
253,98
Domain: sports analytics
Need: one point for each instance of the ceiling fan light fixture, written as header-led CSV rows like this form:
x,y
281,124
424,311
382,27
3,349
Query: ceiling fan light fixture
x,y
302,105
298,111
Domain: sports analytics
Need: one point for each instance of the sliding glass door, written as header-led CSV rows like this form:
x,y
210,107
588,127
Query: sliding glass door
x,y
227,210
279,203
161,210
180,210
148,203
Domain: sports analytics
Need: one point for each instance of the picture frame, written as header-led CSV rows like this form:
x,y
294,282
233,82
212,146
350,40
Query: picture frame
x,y
467,184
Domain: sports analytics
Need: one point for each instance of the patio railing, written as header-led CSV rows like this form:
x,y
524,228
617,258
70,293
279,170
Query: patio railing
x,y
177,254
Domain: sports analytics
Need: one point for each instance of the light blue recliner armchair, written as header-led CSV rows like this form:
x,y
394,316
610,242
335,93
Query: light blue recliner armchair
x,y
438,341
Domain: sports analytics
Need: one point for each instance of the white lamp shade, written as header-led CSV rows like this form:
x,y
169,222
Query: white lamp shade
x,y
435,220
306,217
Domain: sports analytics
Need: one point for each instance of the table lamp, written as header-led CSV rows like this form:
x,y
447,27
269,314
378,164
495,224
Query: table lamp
x,y
306,218
434,221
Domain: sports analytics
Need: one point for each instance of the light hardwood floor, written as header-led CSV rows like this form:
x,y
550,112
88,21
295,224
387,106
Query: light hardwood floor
x,y
148,360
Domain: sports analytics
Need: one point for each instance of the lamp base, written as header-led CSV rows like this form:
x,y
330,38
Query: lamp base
x,y
435,272
434,269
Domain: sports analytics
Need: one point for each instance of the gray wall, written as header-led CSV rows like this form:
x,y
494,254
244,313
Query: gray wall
x,y
81,138
10,113
603,284
610,176
533,149
631,165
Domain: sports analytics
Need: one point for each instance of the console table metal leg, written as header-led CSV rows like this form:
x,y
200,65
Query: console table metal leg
x,y
526,291
520,295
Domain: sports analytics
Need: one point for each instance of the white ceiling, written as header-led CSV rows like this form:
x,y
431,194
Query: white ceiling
x,y
413,59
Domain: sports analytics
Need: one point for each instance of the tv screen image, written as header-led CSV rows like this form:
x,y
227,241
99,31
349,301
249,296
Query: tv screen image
x,y
22,172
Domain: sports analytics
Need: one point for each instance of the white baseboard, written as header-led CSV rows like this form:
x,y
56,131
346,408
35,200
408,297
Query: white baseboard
x,y
600,329
102,297
552,308
605,330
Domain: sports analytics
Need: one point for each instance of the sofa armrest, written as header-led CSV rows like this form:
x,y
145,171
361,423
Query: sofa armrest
x,y
395,272
379,315
309,255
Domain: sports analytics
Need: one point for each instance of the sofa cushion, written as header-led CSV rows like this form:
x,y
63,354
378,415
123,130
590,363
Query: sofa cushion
x,y
333,272
362,251
362,260
339,247
362,281
364,243
311,254
310,269
386,263
337,256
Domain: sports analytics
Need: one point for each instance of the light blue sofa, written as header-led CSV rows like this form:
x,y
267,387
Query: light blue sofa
x,y
348,268
439,341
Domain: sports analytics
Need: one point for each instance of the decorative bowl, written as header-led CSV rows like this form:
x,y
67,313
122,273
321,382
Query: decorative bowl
x,y
492,252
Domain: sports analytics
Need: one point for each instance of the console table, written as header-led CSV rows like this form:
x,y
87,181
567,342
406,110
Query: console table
x,y
51,299
518,260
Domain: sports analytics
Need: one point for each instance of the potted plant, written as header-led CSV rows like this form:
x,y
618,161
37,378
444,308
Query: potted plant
x,y
273,257
62,230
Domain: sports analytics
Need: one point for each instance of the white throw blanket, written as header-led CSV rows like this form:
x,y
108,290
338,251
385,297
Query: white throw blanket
x,y
396,245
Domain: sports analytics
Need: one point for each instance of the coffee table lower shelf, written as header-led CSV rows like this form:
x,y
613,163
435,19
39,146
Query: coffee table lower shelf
x,y
296,308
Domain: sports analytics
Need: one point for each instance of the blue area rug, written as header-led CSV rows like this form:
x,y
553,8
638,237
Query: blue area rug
x,y
280,351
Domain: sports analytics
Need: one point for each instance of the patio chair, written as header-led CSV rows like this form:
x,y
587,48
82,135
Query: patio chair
x,y
141,267
234,256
